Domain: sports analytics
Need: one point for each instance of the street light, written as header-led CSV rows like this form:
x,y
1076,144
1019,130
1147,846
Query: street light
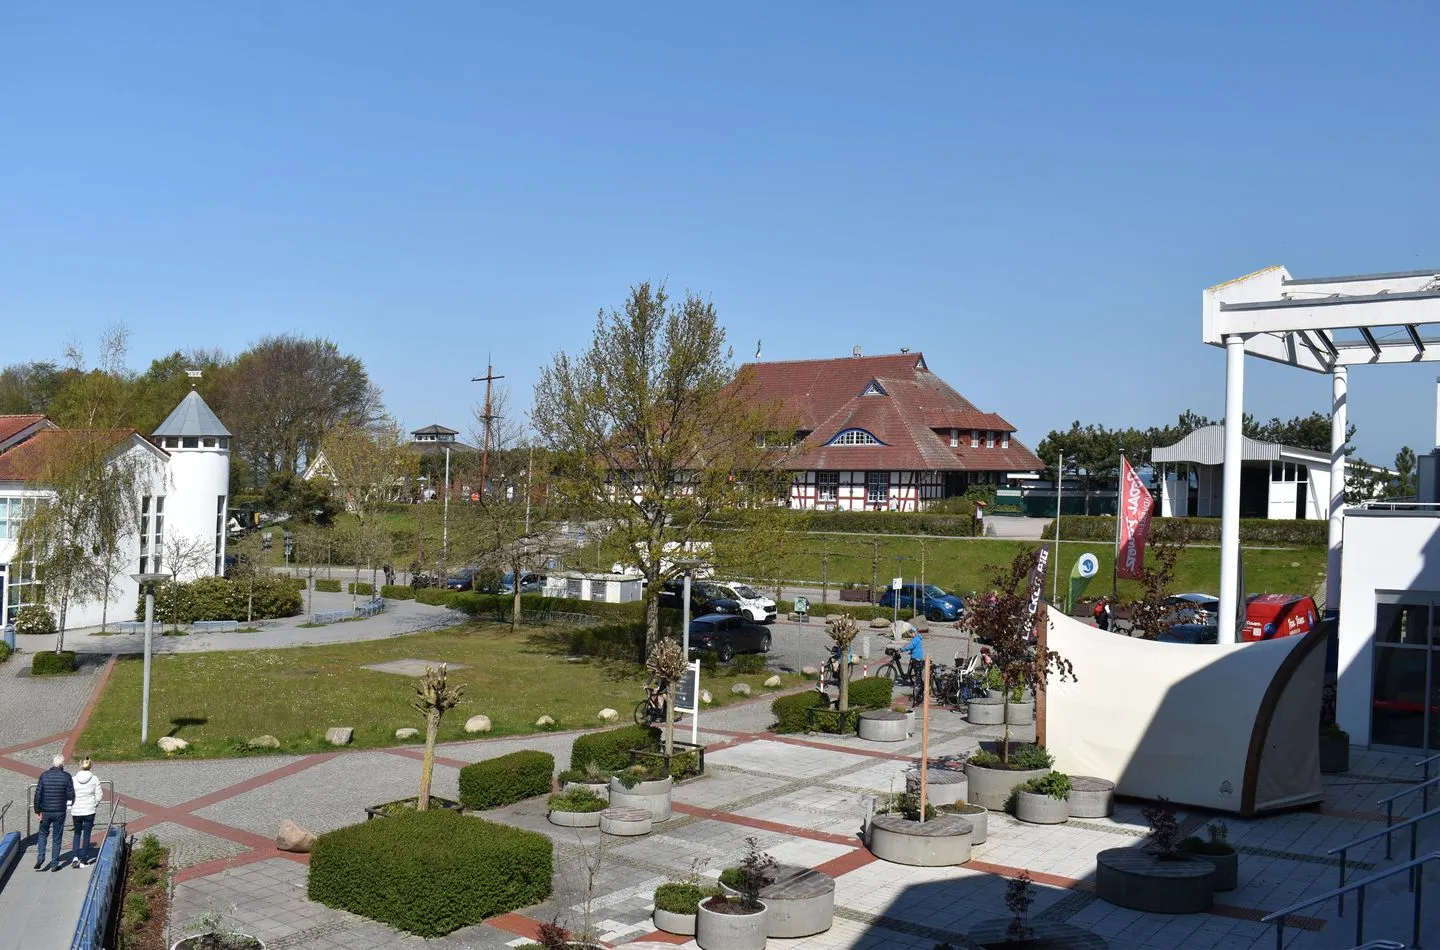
x,y
147,583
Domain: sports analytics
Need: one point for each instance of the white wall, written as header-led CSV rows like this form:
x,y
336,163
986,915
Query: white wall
x,y
197,478
1383,551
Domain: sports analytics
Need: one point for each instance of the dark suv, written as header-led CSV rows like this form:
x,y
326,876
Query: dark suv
x,y
728,635
705,598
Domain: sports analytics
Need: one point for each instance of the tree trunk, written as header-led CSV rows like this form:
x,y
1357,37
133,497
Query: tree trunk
x,y
427,764
105,608
652,615
250,600
515,595
669,724
844,671
60,627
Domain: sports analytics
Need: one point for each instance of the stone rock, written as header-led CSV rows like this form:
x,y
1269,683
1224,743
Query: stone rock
x,y
170,744
544,721
705,697
477,724
263,742
1294,563
608,715
773,682
409,732
879,623
810,670
339,735
741,689
291,837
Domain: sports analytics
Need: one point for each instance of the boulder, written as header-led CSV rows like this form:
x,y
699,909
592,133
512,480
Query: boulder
x,y
879,623
706,698
810,670
291,837
339,735
741,689
544,722
171,744
608,715
773,682
263,742
409,732
477,724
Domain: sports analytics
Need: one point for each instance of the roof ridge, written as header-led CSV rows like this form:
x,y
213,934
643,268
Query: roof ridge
x,y
833,359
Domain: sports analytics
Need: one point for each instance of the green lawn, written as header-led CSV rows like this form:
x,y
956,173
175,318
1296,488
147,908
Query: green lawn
x,y
217,700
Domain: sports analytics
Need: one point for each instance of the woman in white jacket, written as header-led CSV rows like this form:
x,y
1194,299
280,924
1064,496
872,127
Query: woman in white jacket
x,y
88,796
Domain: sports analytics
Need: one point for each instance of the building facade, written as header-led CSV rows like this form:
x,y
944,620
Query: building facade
x,y
883,433
1279,482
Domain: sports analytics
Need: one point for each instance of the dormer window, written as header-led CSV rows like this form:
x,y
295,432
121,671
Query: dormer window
x,y
974,438
854,437
874,389
989,438
1004,440
954,438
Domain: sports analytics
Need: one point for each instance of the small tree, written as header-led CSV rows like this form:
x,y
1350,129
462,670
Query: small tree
x,y
434,698
185,558
843,630
1019,895
1148,612
1003,619
756,873
667,661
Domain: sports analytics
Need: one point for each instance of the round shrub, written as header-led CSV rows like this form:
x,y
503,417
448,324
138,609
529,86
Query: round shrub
x,y
790,711
506,779
871,692
48,662
35,618
577,800
331,586
430,872
5,652
682,898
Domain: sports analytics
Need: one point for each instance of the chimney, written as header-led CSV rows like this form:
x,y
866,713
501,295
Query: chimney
x,y
855,351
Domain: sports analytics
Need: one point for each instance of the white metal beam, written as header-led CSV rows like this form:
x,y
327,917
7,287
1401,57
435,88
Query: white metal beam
x,y
1330,313
1360,285
1290,349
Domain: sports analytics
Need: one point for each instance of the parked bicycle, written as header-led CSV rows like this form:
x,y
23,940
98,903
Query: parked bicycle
x,y
909,674
650,711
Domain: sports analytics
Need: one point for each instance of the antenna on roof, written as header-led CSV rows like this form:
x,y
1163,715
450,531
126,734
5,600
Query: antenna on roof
x,y
855,350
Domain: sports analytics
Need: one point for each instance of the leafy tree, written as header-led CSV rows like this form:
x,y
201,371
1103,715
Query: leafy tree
x,y
29,387
667,661
1148,611
653,434
434,697
369,468
1404,485
304,502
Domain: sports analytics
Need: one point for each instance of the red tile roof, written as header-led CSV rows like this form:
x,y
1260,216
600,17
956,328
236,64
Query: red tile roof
x,y
11,426
26,462
823,398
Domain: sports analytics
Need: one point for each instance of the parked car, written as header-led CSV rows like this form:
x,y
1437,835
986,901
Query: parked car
x,y
705,598
928,599
1194,608
463,579
530,583
753,604
728,635
1279,615
1191,633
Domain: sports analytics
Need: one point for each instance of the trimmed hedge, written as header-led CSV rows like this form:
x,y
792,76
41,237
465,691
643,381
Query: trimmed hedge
x,y
937,523
220,598
611,641
872,692
35,618
790,711
5,652
359,587
397,592
509,778
1202,530
331,586
610,749
295,583
430,872
50,663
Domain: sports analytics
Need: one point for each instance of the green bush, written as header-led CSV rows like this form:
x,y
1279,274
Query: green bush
x,y
220,598
506,779
1201,530
48,662
430,872
295,583
748,664
360,587
938,523
434,596
871,692
609,749
1028,756
577,800
35,618
397,592
790,711
331,586
5,652
1054,784
611,641
682,898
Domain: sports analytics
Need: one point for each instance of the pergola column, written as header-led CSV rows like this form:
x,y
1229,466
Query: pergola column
x,y
1339,389
1230,487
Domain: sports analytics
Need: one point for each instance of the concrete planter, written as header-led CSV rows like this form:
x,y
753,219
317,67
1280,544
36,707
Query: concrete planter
x,y
1137,879
883,725
1037,808
574,819
1091,797
671,923
716,931
979,818
652,795
986,710
625,821
992,787
1227,869
943,841
1334,754
600,790
800,902
1019,714
198,941
942,786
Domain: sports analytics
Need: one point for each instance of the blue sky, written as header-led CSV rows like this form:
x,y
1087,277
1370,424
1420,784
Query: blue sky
x,y
1032,194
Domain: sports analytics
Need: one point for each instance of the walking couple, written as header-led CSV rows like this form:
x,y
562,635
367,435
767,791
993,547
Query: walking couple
x,y
56,791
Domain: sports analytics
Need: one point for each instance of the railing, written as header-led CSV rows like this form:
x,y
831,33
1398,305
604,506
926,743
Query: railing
x,y
1389,802
101,892
1412,823
30,804
1411,866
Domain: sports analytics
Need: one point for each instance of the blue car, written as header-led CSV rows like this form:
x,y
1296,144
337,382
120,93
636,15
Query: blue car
x,y
928,599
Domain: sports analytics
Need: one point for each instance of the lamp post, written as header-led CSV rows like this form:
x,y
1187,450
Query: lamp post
x,y
147,582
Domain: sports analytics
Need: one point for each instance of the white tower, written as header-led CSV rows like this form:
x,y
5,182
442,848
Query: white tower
x,y
196,506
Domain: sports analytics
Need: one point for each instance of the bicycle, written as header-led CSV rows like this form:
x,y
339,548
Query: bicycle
x,y
650,711
911,677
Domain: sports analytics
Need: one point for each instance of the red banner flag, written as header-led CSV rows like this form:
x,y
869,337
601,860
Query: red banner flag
x,y
1136,504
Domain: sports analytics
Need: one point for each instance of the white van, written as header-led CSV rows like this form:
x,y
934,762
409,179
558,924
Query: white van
x,y
753,604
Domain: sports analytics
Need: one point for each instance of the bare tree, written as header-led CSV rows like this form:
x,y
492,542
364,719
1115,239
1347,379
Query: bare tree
x,y
434,698
186,559
843,630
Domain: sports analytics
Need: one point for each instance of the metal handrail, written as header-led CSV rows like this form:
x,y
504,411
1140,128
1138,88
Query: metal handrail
x,y
1389,802
30,804
1278,917
1412,823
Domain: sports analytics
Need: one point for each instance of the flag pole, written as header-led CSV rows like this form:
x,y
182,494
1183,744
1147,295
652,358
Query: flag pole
x,y
1119,501
1059,491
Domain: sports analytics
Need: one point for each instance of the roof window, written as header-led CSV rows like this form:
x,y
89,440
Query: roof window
x,y
854,437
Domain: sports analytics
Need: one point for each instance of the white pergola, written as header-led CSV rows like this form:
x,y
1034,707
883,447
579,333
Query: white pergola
x,y
1324,325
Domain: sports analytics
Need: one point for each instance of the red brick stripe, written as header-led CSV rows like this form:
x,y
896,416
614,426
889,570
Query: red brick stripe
x,y
90,705
33,743
419,756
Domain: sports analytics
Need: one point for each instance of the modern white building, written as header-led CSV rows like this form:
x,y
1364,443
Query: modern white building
x,y
1279,482
183,495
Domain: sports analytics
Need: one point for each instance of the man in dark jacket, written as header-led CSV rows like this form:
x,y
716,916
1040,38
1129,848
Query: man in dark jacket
x,y
54,793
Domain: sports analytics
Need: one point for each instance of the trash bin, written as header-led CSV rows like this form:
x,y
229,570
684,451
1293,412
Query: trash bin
x,y
10,637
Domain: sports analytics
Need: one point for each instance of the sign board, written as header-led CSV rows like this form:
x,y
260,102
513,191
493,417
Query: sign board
x,y
802,605
687,689
897,583
1037,584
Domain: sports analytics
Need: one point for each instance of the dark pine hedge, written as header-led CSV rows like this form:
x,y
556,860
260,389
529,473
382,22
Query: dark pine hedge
x,y
430,872
610,748
1259,531
509,778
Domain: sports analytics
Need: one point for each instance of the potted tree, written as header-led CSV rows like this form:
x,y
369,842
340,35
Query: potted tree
x,y
434,697
576,807
1216,849
668,663
1334,749
901,835
1044,800
738,923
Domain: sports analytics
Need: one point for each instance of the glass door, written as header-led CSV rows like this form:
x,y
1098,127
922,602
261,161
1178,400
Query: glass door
x,y
1405,712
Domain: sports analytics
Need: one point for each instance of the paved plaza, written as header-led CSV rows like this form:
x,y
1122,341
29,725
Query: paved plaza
x,y
804,797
